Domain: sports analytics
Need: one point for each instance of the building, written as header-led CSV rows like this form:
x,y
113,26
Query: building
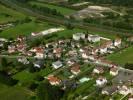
x,y
57,64
54,80
21,38
78,36
23,60
93,38
124,90
11,48
35,33
101,81
98,70
39,52
114,71
75,69
21,47
117,42
109,90
38,63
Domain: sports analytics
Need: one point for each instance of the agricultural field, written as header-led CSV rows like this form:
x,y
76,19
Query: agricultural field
x,y
8,15
62,10
8,93
122,57
24,29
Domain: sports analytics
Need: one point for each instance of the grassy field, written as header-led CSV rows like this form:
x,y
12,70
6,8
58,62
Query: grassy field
x,y
62,10
24,29
7,14
125,56
24,76
13,93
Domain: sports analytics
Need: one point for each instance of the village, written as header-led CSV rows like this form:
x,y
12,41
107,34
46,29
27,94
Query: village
x,y
74,62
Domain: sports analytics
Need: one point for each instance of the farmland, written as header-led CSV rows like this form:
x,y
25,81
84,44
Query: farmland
x,y
8,15
122,57
62,10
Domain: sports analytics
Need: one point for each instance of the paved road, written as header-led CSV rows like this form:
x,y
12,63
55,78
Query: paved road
x,y
15,56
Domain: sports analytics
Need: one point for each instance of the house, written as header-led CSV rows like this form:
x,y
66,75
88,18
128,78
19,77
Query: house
x,y
109,90
75,69
23,60
11,48
34,33
57,64
130,39
101,81
114,71
98,70
38,63
85,54
21,47
70,62
93,38
103,49
57,50
124,90
130,97
53,80
39,52
117,42
78,36
20,38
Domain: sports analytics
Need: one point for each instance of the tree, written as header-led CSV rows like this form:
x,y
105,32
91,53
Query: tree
x,y
4,62
45,91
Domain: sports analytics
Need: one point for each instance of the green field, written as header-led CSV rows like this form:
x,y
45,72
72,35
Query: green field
x,y
13,93
62,10
24,29
122,57
7,15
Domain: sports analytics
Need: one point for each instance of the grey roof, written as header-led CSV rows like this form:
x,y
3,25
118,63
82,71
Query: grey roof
x,y
110,89
39,62
57,63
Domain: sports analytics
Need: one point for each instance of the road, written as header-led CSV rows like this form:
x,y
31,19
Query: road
x,y
61,21
15,56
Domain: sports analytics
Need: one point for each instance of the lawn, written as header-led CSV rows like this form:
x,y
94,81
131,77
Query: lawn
x,y
63,10
24,29
24,76
7,14
13,93
122,57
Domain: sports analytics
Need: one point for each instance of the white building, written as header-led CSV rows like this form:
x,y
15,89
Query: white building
x,y
101,81
78,36
117,42
94,38
114,71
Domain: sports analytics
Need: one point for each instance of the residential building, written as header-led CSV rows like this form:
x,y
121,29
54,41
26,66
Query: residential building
x,y
93,38
117,42
57,64
75,69
114,71
101,81
98,70
53,80
109,90
78,36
